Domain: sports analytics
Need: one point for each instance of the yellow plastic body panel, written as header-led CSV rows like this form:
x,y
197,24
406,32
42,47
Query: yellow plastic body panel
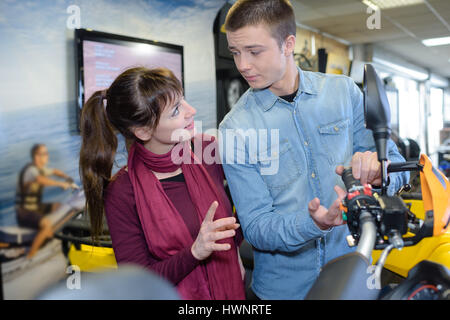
x,y
436,249
441,254
90,258
435,189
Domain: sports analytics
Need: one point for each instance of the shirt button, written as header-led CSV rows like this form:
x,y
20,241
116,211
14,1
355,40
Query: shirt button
x,y
313,175
306,143
336,129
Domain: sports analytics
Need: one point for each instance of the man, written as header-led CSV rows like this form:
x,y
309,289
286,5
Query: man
x,y
31,212
283,187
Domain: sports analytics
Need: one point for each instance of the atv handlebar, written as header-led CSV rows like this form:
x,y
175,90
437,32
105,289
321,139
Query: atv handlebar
x,y
389,216
368,235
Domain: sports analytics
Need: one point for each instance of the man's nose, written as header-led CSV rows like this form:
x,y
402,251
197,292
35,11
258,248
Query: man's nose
x,y
243,64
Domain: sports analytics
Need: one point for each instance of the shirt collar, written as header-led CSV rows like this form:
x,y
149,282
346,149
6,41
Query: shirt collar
x,y
267,98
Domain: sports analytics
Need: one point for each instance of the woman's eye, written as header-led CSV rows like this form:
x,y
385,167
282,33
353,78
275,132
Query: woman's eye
x,y
176,111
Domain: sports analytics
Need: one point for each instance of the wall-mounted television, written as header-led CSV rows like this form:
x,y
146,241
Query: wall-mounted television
x,y
101,57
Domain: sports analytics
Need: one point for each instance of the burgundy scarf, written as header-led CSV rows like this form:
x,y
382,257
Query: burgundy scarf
x,y
217,277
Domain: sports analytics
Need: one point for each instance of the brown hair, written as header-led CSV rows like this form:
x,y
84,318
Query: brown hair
x,y
136,98
278,15
34,149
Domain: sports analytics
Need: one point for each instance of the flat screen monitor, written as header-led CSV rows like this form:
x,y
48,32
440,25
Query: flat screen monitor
x,y
101,57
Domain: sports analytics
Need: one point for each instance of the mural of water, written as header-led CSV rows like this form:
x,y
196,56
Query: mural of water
x,y
55,125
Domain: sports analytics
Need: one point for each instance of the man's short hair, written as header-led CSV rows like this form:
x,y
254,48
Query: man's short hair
x,y
278,15
35,148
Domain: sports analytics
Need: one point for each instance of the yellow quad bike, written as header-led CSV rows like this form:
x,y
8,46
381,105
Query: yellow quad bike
x,y
422,207
414,233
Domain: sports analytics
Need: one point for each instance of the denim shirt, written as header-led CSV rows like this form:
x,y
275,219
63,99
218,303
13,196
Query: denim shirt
x,y
298,147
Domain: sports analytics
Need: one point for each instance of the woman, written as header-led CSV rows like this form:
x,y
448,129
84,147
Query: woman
x,y
172,218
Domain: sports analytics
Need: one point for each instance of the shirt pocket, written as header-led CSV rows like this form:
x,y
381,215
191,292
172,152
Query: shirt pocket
x,y
278,166
336,141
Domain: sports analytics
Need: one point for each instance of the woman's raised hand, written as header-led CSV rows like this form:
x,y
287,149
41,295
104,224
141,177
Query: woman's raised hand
x,y
211,231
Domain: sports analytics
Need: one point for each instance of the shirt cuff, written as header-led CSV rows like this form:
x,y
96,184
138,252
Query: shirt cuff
x,y
189,258
309,230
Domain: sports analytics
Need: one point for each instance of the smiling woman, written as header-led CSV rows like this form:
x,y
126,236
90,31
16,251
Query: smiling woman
x,y
134,105
175,125
173,218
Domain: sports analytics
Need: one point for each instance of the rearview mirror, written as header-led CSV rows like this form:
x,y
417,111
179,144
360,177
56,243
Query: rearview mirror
x,y
377,114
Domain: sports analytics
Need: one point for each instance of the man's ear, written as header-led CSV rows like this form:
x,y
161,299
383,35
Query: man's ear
x,y
289,45
142,133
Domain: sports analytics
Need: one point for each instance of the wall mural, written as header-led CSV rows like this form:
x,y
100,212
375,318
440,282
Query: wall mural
x,y
37,59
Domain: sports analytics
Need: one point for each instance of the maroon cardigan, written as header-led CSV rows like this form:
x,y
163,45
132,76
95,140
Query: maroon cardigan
x,y
126,232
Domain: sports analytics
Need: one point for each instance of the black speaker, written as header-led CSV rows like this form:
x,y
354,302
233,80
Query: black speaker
x,y
230,85
323,57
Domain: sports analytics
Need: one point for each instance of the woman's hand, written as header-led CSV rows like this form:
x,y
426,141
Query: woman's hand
x,y
212,231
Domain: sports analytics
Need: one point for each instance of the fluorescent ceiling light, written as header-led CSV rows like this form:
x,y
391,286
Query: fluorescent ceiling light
x,y
370,4
389,4
436,41
395,67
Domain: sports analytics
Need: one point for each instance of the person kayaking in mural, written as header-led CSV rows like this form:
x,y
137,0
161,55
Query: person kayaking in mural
x,y
172,218
30,210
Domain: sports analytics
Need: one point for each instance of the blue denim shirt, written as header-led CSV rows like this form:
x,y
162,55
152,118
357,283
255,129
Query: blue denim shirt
x,y
272,181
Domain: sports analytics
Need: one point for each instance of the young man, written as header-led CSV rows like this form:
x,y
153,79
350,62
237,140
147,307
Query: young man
x,y
31,211
282,187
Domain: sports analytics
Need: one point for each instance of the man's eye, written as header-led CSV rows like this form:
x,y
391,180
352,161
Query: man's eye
x,y
234,53
255,53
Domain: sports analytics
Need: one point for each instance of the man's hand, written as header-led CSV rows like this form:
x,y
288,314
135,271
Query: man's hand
x,y
327,218
365,167
65,185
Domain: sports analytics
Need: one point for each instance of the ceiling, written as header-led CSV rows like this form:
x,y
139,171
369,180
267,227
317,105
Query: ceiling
x,y
401,32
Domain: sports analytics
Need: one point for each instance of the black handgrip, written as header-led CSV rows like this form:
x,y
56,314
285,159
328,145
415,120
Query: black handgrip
x,y
404,166
350,181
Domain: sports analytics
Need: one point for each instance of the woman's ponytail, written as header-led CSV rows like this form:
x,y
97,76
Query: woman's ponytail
x,y
98,148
